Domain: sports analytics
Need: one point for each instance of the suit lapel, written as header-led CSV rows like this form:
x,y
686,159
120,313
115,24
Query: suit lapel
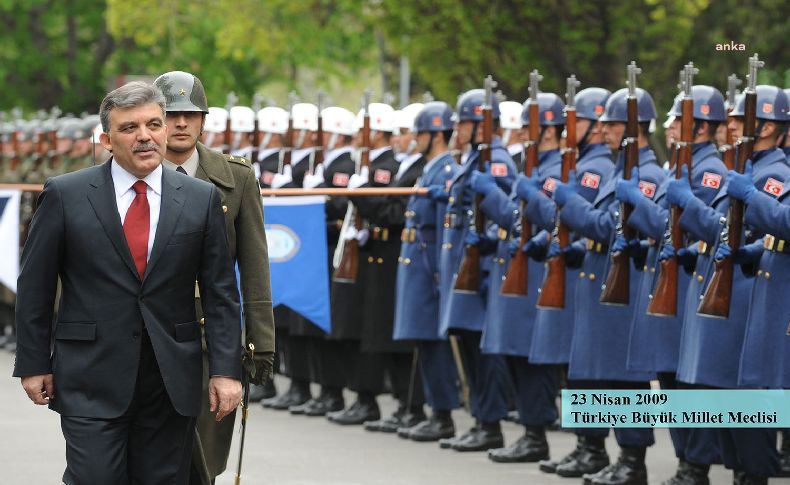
x,y
101,196
172,203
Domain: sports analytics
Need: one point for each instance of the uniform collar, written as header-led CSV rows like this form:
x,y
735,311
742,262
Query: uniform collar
x,y
434,161
334,154
266,153
214,167
190,165
377,152
595,150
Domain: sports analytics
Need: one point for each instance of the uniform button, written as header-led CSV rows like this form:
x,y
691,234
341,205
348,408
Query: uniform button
x,y
767,275
400,259
700,278
581,275
225,209
407,261
449,245
592,277
202,321
451,199
644,268
653,270
446,226
380,260
694,274
370,259
759,272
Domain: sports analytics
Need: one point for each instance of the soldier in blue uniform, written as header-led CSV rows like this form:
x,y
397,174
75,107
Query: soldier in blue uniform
x,y
463,314
417,289
711,348
509,319
655,339
600,342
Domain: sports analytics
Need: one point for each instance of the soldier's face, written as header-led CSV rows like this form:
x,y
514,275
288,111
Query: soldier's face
x,y
673,132
613,134
422,141
463,132
64,145
403,140
735,125
721,134
184,128
137,138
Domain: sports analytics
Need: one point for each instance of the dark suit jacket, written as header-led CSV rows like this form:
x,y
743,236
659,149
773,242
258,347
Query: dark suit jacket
x,y
76,234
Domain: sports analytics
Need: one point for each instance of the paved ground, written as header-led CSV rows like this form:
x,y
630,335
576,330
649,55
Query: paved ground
x,y
289,450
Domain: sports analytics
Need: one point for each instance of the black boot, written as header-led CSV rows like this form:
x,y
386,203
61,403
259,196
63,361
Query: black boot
x,y
439,426
297,394
402,418
589,457
743,478
358,413
447,443
529,448
487,436
629,469
689,474
331,401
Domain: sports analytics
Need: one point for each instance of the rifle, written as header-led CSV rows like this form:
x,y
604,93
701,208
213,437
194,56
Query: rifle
x,y
515,283
727,150
664,300
257,104
347,252
245,404
285,152
468,278
616,289
552,295
318,152
54,156
716,300
228,135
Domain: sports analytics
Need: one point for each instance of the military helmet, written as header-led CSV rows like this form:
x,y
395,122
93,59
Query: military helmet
x,y
550,107
338,120
68,128
242,119
216,120
708,104
434,116
381,117
404,118
470,106
590,102
616,107
772,104
272,119
183,92
510,115
305,116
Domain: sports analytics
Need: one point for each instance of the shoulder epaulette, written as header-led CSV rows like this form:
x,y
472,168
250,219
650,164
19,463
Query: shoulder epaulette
x,y
238,160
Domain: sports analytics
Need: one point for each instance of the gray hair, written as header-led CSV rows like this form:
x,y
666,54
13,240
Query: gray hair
x,y
130,95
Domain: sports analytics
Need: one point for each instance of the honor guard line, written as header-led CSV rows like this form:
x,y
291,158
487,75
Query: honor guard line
x,y
360,192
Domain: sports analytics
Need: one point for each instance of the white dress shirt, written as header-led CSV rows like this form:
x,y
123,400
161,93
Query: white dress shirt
x,y
190,165
124,196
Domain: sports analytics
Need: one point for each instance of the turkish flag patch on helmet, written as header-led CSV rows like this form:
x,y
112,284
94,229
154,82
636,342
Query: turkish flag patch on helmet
x,y
647,188
774,187
340,179
591,180
499,169
382,176
549,185
712,180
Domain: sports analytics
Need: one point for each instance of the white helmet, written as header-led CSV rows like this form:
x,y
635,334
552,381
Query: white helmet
x,y
338,120
216,120
510,115
381,116
305,116
273,120
404,118
242,119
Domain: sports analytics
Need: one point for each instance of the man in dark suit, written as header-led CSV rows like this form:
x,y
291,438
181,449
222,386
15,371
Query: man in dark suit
x,y
128,240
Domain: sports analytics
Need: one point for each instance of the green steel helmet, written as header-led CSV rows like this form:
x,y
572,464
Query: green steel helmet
x,y
183,92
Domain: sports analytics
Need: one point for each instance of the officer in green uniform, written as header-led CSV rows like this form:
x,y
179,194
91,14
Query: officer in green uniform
x,y
241,202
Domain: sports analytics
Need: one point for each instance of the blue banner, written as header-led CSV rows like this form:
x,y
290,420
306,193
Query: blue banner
x,y
296,235
9,237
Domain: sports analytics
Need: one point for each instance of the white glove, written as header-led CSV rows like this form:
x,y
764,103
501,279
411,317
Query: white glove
x,y
312,181
281,179
362,236
350,233
359,179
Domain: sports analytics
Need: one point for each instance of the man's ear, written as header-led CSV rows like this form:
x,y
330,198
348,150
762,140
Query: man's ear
x,y
104,139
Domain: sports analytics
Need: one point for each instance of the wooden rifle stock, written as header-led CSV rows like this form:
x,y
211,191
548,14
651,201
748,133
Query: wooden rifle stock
x,y
727,150
348,265
616,288
516,281
664,300
552,294
15,147
716,300
228,135
257,101
318,157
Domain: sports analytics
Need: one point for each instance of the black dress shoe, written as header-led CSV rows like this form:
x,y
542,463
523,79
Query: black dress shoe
x,y
321,407
743,478
550,466
295,396
529,448
486,437
447,443
689,474
588,458
629,469
784,458
400,419
357,414
298,409
434,428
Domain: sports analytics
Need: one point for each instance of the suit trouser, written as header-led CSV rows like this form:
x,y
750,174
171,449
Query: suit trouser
x,y
439,376
487,376
398,367
536,390
636,437
297,362
149,444
327,358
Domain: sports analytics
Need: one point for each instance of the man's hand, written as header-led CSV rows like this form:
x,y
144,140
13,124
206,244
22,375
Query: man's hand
x,y
40,389
224,395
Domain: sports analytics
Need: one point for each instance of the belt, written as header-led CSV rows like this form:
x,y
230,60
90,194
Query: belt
x,y
451,219
772,243
596,246
379,233
421,234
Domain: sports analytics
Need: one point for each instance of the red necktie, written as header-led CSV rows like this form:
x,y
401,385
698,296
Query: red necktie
x,y
136,227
